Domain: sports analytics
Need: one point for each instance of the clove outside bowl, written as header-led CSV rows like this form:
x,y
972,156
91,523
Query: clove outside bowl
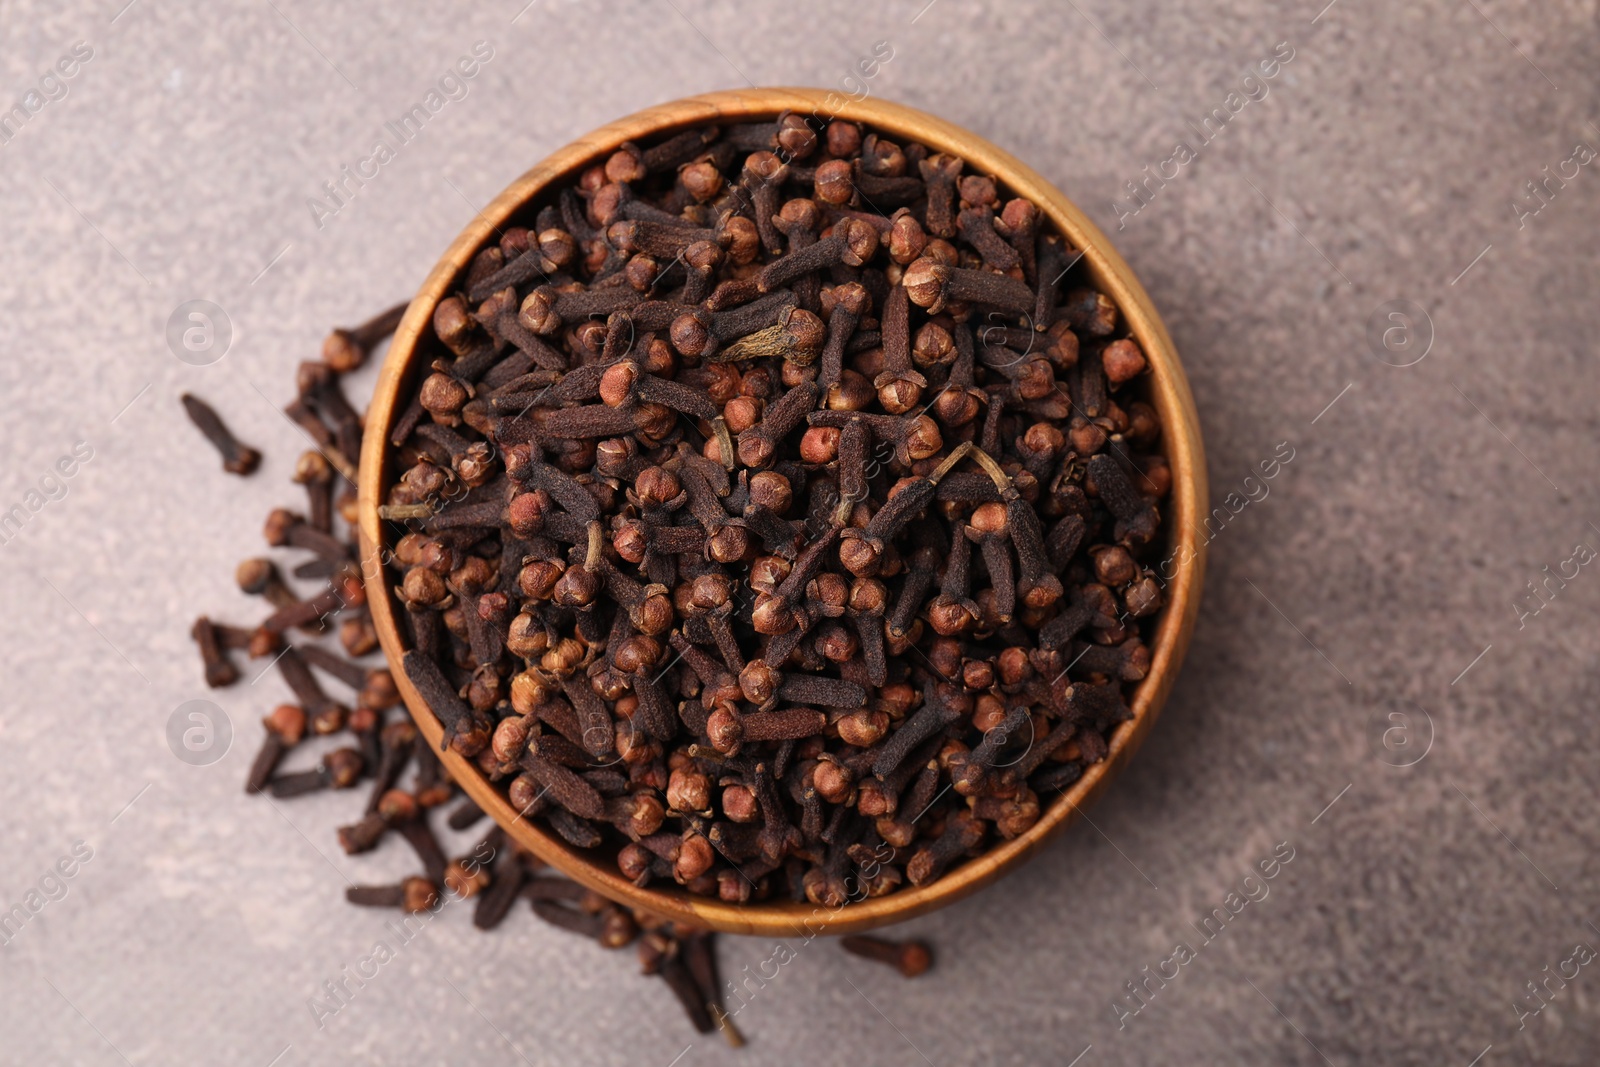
x,y
1168,392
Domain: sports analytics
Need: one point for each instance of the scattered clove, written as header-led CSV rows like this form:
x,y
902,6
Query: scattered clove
x,y
910,958
237,458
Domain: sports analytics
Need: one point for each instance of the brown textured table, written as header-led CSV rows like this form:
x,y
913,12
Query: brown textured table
x,y
1370,690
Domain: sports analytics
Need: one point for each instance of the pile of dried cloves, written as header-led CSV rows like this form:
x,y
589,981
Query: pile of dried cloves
x,y
408,789
772,516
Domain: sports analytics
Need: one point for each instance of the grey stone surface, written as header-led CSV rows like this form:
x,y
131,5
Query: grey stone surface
x,y
1379,578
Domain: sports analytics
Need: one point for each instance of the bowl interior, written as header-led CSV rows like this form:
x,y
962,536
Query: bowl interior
x,y
1167,390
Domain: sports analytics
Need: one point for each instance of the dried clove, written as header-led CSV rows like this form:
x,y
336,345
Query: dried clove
x,y
910,958
236,458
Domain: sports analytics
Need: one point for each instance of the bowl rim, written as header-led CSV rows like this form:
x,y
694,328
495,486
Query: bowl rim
x,y
1169,394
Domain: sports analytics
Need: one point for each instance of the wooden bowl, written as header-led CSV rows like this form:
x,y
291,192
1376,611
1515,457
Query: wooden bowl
x,y
1168,393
